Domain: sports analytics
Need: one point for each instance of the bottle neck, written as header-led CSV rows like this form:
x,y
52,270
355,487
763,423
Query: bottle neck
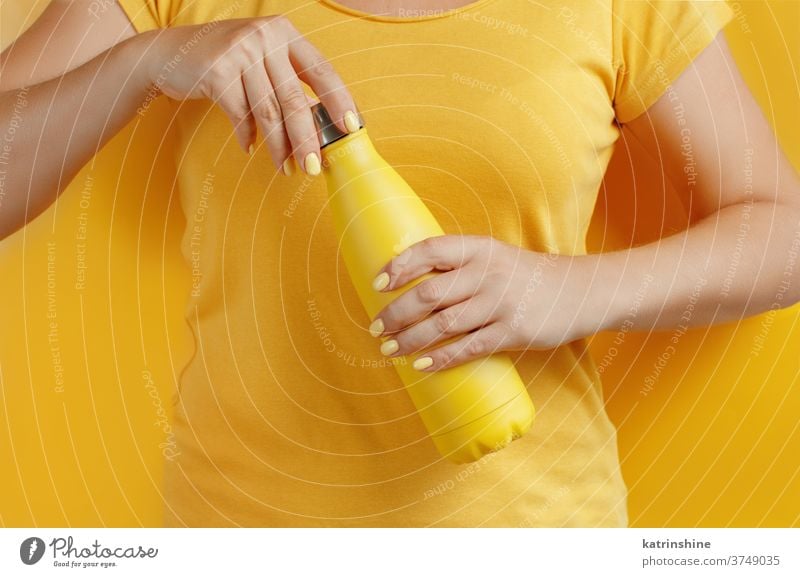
x,y
352,152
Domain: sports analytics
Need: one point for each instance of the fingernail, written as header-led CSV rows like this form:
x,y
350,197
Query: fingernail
x,y
381,281
288,166
376,328
311,164
389,347
422,363
251,149
351,122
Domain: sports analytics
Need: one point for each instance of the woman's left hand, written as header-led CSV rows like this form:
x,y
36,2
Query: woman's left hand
x,y
492,296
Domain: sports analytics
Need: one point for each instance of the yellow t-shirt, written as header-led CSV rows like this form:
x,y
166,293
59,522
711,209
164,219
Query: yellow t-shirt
x,y
502,115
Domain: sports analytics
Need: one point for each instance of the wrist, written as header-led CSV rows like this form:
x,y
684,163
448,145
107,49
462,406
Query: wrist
x,y
619,291
144,51
602,294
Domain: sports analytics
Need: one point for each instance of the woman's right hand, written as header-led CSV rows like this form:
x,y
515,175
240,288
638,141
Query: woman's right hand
x,y
252,68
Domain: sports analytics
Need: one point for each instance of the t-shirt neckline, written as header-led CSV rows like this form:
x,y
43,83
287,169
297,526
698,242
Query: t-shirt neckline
x,y
434,14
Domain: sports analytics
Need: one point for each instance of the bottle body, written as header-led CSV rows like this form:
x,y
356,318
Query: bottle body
x,y
469,410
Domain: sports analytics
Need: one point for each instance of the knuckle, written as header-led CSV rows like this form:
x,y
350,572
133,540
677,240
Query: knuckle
x,y
444,357
208,69
429,292
214,75
250,52
264,25
243,38
321,67
210,90
497,281
237,43
237,106
226,42
504,332
219,85
443,320
293,100
237,114
238,119
278,21
399,261
475,347
269,110
430,244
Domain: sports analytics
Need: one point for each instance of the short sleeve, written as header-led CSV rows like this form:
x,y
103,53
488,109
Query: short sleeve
x,y
147,14
654,41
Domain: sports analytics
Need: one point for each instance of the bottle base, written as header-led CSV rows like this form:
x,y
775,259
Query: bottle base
x,y
489,433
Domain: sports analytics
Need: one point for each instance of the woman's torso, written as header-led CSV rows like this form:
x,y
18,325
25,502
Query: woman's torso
x,y
499,115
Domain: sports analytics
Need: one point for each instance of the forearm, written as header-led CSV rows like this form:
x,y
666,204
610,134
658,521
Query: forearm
x,y
48,131
741,261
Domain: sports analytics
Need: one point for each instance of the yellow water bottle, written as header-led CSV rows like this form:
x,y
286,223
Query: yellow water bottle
x,y
469,410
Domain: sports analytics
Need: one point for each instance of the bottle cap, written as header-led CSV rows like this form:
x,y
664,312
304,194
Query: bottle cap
x,y
327,131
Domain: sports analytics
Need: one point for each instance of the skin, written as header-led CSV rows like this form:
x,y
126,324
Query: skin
x,y
482,301
490,296
251,68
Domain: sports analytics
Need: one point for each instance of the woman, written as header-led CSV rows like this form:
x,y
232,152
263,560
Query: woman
x,y
503,116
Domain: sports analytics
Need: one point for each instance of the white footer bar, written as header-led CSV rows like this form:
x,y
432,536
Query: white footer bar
x,y
401,552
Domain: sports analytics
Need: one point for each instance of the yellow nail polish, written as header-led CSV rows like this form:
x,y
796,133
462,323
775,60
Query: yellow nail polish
x,y
422,363
389,347
251,149
381,281
350,121
288,166
311,164
376,328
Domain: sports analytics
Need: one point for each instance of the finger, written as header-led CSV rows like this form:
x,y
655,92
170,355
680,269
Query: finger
x,y
297,119
483,342
267,113
445,252
316,71
233,102
459,319
442,290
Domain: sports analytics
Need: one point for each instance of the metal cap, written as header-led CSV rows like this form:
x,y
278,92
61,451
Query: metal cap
x,y
327,131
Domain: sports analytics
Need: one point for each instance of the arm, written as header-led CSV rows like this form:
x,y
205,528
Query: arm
x,y
740,257
57,117
53,81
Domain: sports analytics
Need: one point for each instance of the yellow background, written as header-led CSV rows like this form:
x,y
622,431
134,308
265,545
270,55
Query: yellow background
x,y
713,444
